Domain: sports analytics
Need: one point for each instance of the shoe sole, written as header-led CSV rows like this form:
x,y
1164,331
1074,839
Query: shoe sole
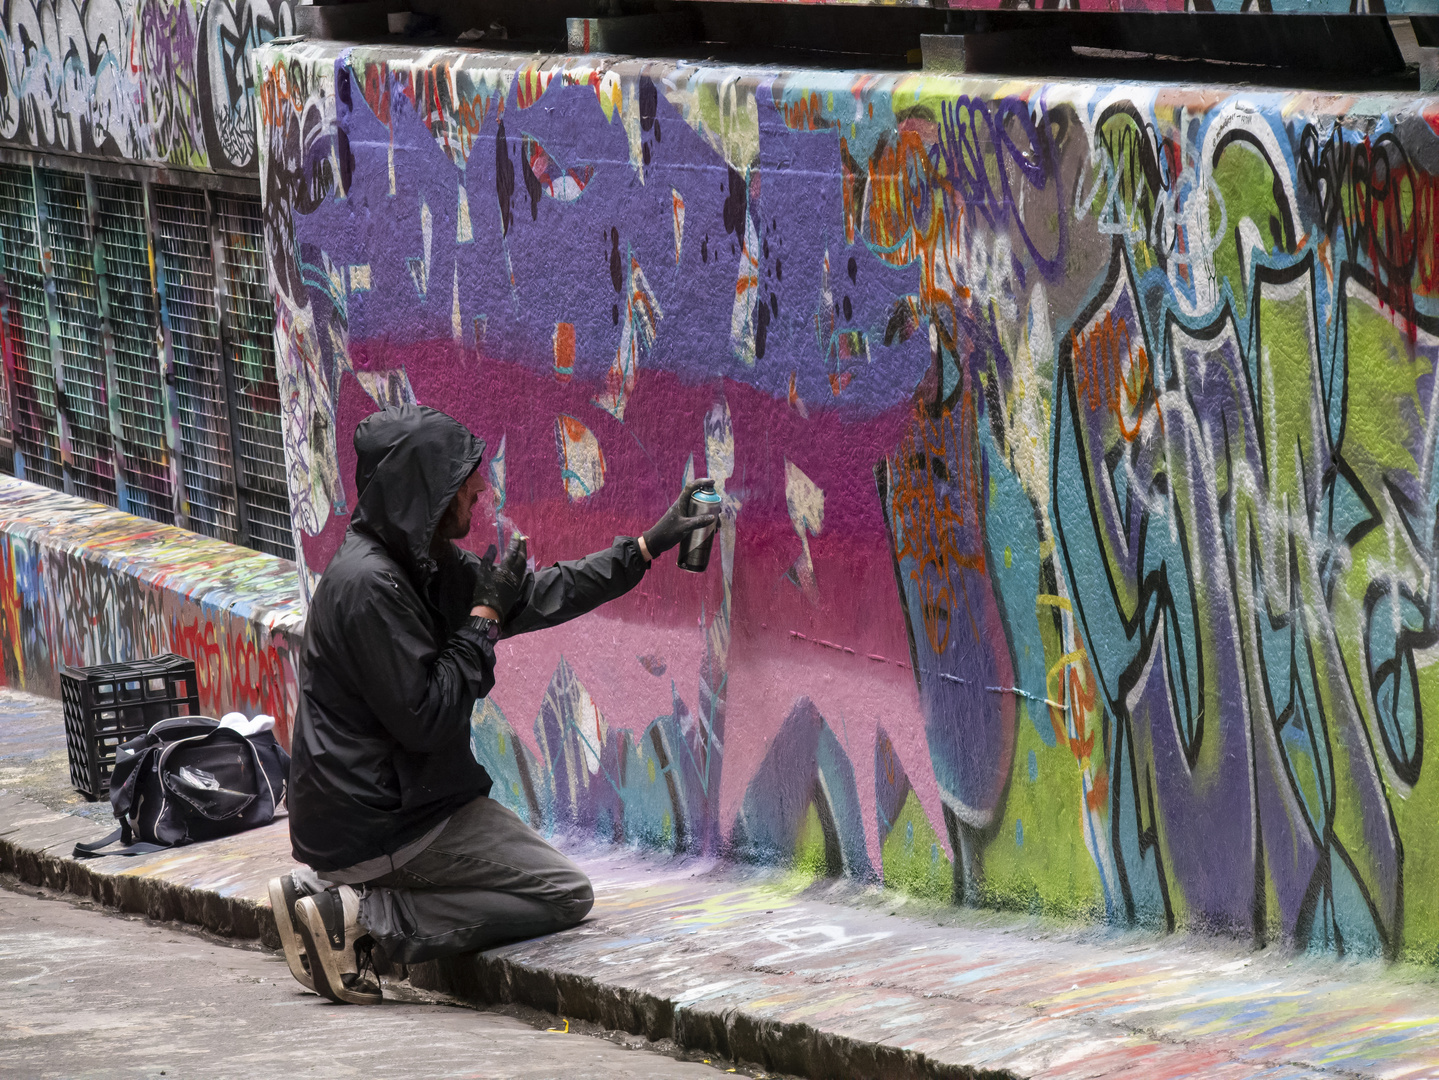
x,y
295,952
313,944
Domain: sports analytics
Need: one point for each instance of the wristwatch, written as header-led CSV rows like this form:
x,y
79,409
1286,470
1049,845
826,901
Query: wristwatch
x,y
488,627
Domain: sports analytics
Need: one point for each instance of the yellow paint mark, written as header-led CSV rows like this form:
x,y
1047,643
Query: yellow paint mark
x,y
1008,558
1049,600
1068,658
732,906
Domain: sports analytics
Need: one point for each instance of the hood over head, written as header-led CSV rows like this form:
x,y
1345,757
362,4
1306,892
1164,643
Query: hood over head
x,y
412,461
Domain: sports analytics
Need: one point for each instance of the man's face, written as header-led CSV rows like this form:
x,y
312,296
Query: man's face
x,y
455,524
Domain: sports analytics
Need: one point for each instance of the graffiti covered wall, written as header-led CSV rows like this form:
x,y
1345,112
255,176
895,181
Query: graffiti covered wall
x,y
81,584
165,82
1076,445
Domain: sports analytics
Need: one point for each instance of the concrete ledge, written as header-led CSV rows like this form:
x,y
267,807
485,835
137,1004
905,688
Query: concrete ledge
x,y
83,584
35,846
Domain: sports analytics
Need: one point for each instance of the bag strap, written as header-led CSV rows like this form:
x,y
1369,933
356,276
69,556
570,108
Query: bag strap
x,y
92,850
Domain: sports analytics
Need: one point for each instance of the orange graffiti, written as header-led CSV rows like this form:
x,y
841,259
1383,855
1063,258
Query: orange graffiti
x,y
235,672
278,94
564,347
1078,677
903,215
451,117
891,767
1098,795
1112,373
806,114
936,503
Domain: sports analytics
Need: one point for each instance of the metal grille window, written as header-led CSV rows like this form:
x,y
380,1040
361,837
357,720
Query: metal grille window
x,y
7,420
35,419
153,300
139,404
249,333
187,290
65,220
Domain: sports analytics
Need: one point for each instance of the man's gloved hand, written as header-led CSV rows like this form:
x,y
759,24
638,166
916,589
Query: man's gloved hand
x,y
670,529
498,586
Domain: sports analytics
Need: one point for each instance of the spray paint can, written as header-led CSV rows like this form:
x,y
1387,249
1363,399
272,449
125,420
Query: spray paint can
x,y
695,547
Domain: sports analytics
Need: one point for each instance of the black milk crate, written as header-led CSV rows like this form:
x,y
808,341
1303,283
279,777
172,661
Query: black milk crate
x,y
109,704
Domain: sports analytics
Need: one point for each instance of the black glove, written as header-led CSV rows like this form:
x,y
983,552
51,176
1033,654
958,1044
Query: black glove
x,y
499,586
670,529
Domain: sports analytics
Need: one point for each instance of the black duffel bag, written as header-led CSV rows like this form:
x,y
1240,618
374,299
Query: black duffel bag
x,y
190,778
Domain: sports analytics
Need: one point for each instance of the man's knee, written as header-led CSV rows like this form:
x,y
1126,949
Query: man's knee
x,y
578,899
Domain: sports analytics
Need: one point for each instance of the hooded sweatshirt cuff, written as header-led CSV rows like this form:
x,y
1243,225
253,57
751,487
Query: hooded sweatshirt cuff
x,y
633,558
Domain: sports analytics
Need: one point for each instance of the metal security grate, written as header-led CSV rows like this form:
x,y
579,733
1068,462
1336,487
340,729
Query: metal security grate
x,y
249,336
154,300
7,420
66,226
139,392
36,422
187,282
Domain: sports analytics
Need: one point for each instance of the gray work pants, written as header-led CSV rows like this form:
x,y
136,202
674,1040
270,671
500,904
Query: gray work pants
x,y
487,878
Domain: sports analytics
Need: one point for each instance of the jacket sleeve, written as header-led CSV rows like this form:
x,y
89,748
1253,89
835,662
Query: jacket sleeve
x,y
421,693
565,590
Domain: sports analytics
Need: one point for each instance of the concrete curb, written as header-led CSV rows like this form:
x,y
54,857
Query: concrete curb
x,y
42,858
156,898
795,1048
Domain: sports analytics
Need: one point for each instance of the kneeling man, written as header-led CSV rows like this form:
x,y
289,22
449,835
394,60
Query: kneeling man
x,y
409,858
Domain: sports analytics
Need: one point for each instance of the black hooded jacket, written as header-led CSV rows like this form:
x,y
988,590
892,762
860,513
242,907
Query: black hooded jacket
x,y
392,662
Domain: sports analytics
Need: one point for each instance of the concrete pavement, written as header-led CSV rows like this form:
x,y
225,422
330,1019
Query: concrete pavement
x,y
86,995
823,979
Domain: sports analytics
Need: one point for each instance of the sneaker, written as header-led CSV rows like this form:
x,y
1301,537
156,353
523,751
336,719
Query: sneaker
x,y
340,961
284,895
